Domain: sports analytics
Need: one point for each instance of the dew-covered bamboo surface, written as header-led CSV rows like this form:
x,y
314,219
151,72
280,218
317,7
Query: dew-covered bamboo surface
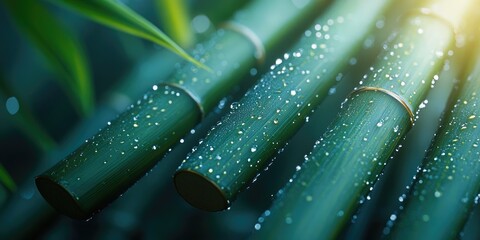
x,y
303,119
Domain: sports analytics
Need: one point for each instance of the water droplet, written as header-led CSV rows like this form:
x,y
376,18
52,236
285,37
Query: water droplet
x,y
258,226
438,194
200,23
12,105
210,170
234,105
379,124
253,149
332,91
155,87
293,92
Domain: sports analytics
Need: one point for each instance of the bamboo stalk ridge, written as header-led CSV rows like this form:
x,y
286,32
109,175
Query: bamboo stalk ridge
x,y
336,178
114,159
447,185
259,125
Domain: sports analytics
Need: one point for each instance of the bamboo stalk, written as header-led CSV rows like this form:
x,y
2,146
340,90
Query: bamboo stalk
x,y
83,183
447,185
36,213
337,176
236,150
25,215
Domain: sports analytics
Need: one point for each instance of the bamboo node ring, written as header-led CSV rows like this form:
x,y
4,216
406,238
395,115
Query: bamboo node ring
x,y
392,94
245,31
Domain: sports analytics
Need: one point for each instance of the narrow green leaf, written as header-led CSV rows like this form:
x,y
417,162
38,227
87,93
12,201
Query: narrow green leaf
x,y
6,179
116,15
59,46
176,21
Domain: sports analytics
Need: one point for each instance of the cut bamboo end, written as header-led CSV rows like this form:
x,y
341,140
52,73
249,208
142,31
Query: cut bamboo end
x,y
60,198
200,192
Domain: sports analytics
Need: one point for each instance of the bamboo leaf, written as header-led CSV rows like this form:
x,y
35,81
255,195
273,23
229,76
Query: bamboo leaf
x,y
260,124
118,16
63,51
176,21
6,179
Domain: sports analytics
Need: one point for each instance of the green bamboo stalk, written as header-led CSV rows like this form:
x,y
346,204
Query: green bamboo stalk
x,y
114,143
110,162
447,185
25,215
398,173
370,219
236,150
337,176
26,207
